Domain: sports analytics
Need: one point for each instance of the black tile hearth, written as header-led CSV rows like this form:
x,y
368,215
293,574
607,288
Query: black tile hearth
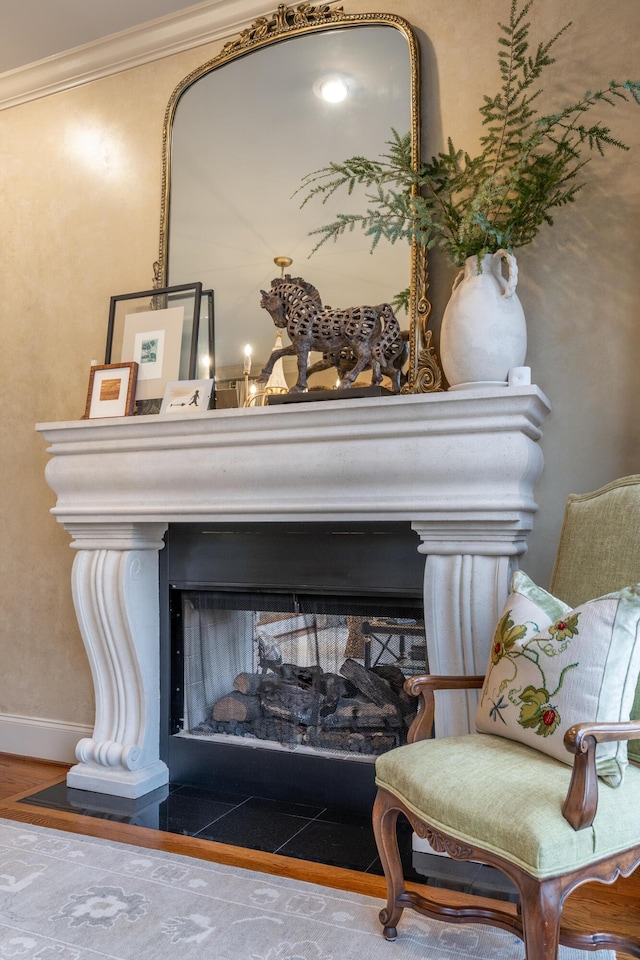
x,y
329,835
258,824
337,844
188,815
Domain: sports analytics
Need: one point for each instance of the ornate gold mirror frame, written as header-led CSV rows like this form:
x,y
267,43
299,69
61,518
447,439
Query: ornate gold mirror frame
x,y
424,373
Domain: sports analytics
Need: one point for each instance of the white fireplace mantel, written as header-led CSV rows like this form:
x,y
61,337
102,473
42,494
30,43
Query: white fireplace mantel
x,y
459,466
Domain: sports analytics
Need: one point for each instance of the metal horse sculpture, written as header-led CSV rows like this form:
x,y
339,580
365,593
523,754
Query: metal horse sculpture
x,y
371,335
344,360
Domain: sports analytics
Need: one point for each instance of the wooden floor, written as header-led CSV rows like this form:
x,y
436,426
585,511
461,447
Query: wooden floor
x,y
593,906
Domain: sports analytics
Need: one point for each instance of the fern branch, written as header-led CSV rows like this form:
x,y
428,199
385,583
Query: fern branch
x,y
528,165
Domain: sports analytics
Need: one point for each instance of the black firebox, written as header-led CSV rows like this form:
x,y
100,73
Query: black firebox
x,y
284,649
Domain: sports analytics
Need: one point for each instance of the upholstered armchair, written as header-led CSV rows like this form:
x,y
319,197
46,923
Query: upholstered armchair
x,y
544,790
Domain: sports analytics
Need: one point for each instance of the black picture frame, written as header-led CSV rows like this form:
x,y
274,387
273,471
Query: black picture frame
x,y
206,336
159,299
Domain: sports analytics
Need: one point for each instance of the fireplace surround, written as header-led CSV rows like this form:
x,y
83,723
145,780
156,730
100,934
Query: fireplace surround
x,y
458,467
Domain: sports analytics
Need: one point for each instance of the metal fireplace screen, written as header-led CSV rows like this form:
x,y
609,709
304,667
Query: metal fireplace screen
x,y
300,671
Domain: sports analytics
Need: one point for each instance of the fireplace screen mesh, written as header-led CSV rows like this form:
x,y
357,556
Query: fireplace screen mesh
x,y
319,672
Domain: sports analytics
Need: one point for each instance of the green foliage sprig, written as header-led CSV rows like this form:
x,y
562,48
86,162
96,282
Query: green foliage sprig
x,y
527,168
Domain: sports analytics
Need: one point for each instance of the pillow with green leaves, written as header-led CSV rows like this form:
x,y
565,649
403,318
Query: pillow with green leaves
x,y
551,667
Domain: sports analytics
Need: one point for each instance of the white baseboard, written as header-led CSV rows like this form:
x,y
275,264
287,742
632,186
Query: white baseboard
x,y
40,738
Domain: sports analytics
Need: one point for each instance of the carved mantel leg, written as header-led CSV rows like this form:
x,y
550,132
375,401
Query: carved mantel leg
x,y
115,592
466,584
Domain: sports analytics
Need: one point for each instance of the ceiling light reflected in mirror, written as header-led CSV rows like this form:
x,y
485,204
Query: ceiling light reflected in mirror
x,y
332,89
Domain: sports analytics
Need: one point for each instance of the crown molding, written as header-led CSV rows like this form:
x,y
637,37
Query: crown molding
x,y
194,27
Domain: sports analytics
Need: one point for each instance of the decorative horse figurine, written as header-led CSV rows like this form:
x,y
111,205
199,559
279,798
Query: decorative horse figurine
x,y
372,334
344,360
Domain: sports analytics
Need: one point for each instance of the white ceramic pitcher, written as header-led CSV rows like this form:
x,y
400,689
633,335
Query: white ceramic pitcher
x,y
484,333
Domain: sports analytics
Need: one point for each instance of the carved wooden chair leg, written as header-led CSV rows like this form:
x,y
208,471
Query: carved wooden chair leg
x,y
385,818
541,905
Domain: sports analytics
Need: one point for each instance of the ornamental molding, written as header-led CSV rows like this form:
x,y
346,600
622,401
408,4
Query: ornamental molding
x,y
204,23
286,18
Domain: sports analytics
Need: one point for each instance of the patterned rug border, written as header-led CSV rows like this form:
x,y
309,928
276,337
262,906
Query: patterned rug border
x,y
64,896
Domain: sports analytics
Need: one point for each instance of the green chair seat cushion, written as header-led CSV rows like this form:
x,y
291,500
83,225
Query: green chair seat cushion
x,y
451,784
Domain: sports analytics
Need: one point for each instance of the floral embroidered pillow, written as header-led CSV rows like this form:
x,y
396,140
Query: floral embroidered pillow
x,y
551,667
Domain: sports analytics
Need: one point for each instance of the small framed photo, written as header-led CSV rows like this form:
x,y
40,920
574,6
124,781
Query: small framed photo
x,y
159,330
187,396
112,390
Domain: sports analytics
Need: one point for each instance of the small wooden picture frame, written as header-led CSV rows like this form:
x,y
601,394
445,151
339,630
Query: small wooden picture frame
x,y
112,390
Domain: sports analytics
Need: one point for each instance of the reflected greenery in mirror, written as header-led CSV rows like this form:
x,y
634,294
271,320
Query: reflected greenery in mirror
x,y
240,133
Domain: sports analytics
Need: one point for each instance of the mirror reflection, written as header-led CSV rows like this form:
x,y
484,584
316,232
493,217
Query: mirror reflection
x,y
243,136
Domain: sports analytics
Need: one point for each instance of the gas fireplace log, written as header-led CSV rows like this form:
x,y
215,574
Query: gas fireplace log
x,y
270,728
289,672
302,676
334,687
375,688
288,702
359,714
391,673
237,706
263,728
394,675
329,685
371,715
248,683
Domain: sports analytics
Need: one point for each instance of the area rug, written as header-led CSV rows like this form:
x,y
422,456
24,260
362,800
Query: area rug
x,y
66,897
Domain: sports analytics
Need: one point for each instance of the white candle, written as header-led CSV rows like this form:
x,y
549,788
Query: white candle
x,y
247,359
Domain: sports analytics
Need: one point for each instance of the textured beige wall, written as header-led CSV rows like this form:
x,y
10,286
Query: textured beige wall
x,y
580,280
75,230
80,200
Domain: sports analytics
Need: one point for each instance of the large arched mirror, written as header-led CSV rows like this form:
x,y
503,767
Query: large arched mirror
x,y
240,134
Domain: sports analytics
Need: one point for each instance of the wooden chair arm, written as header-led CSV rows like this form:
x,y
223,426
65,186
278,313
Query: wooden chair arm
x,y
423,686
581,802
